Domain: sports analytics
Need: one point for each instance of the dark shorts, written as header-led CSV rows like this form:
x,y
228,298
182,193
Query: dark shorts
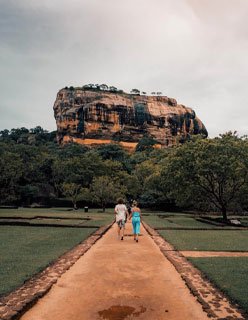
x,y
121,223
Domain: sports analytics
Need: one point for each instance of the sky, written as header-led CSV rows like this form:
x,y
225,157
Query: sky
x,y
193,50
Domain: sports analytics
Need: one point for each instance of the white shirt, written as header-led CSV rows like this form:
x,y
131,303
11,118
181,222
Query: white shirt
x,y
120,210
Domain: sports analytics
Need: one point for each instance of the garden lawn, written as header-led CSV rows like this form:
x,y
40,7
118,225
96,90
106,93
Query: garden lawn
x,y
25,251
56,213
175,221
229,275
207,240
58,216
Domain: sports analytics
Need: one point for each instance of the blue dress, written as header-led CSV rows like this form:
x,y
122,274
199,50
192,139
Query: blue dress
x,y
136,222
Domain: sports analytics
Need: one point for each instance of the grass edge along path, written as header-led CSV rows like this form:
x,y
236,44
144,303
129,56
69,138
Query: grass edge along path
x,y
207,240
13,305
227,274
213,301
25,251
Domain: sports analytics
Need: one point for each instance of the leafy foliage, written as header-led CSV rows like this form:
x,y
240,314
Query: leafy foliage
x,y
202,174
212,173
104,191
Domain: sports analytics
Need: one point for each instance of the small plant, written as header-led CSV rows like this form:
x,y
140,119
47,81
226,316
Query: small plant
x,y
135,91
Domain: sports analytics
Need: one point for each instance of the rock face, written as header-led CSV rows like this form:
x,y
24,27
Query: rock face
x,y
94,117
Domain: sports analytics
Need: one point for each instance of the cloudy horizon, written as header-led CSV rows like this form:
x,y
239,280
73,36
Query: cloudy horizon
x,y
191,50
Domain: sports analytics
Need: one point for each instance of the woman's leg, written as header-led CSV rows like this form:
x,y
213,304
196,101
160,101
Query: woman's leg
x,y
133,223
137,229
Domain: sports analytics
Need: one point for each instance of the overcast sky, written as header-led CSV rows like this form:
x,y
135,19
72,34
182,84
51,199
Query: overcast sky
x,y
193,50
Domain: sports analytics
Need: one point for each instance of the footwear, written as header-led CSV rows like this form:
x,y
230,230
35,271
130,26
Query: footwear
x,y
137,240
121,238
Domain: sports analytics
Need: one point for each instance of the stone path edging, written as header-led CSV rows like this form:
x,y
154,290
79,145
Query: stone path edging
x,y
19,301
213,301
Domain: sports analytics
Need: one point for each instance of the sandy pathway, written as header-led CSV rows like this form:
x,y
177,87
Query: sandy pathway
x,y
208,254
119,280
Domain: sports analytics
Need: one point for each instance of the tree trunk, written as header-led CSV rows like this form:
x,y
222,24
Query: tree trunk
x,y
75,205
224,213
103,207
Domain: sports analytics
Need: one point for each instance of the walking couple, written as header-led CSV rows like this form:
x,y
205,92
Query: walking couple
x,y
122,214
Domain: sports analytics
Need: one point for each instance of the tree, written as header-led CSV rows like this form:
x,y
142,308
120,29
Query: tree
x,y
79,169
135,91
153,193
112,151
208,172
113,89
72,191
105,191
11,170
145,144
17,134
71,150
104,87
4,133
29,193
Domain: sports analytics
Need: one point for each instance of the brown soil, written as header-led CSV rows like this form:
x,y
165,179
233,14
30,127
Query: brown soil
x,y
119,280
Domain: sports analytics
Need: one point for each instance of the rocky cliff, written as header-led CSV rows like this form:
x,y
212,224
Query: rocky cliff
x,y
93,117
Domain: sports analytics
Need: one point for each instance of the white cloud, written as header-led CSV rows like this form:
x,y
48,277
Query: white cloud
x,y
194,51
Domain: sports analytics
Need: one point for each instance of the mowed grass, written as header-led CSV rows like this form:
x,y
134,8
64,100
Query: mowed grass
x,y
180,221
25,251
175,221
58,216
229,275
207,240
95,214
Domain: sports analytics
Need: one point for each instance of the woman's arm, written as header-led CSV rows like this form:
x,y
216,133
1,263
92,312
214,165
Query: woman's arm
x,y
131,214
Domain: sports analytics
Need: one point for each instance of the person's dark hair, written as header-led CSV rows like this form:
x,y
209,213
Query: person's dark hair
x,y
120,201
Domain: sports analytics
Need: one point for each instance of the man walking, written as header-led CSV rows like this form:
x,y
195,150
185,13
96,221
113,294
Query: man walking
x,y
121,217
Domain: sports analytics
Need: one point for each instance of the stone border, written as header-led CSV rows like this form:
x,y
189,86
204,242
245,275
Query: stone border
x,y
15,304
213,301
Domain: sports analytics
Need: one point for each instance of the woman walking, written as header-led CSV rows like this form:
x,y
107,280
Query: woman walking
x,y
136,216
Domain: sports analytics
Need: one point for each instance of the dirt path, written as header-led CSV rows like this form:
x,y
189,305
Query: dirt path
x,y
119,280
207,254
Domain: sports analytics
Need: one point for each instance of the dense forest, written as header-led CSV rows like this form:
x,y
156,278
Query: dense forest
x,y
201,174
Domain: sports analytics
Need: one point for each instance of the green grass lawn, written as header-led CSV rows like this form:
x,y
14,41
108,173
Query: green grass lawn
x,y
207,240
228,274
25,251
58,216
176,220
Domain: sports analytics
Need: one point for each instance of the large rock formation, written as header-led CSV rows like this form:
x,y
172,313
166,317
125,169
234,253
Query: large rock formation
x,y
93,116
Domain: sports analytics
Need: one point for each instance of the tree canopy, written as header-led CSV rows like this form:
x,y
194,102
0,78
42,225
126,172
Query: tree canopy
x,y
201,174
